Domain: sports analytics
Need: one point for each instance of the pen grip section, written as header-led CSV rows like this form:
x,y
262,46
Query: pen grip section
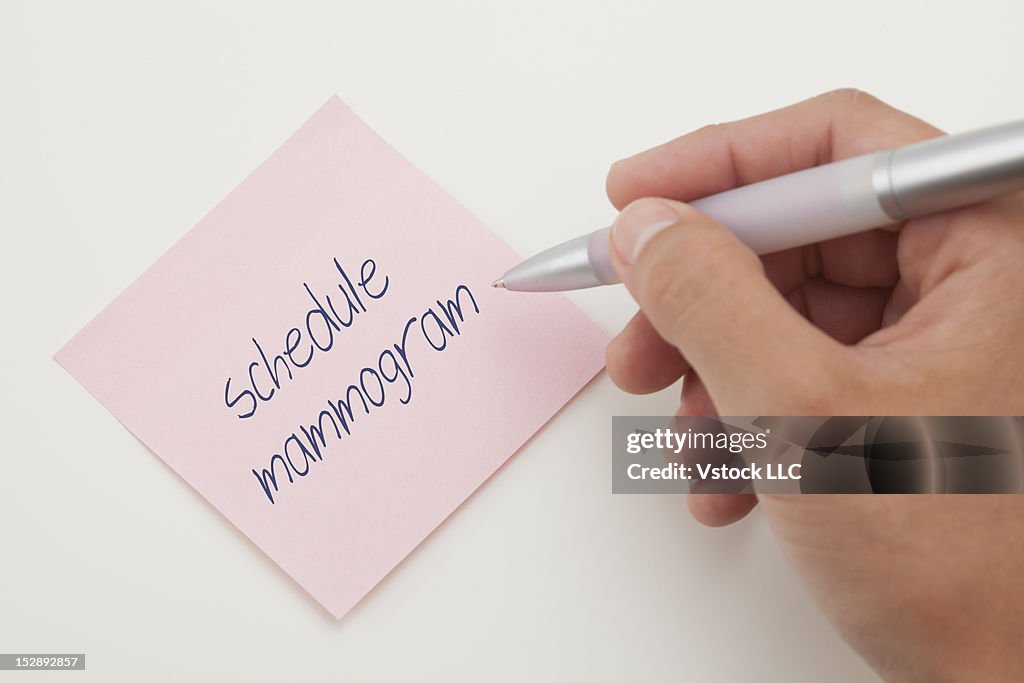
x,y
809,206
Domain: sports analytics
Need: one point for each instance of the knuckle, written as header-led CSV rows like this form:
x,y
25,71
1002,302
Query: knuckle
x,y
711,129
677,282
664,286
714,130
852,97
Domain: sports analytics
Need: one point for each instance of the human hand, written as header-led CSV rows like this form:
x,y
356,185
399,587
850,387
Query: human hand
x,y
921,318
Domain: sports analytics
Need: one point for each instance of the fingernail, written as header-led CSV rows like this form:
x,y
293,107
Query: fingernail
x,y
638,223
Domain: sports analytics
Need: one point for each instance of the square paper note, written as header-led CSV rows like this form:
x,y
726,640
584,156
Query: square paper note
x,y
323,359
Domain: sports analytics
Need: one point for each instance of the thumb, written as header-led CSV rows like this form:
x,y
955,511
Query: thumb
x,y
706,293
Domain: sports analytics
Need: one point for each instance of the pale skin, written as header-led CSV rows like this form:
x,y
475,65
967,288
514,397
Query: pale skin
x,y
922,318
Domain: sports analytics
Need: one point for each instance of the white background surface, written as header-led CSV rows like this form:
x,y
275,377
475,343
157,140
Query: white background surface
x,y
121,124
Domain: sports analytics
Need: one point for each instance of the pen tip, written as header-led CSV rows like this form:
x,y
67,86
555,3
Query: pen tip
x,y
499,283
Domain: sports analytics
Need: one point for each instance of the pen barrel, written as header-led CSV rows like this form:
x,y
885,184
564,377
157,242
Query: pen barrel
x,y
952,171
809,206
819,203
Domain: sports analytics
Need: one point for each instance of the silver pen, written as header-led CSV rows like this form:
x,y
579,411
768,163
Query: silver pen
x,y
818,203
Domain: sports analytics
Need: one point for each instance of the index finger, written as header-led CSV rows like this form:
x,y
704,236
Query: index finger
x,y
833,126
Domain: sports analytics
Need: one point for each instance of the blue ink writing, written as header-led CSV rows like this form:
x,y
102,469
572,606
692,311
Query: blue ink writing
x,y
322,323
387,378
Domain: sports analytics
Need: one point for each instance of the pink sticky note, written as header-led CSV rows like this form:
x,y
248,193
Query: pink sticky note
x,y
323,359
